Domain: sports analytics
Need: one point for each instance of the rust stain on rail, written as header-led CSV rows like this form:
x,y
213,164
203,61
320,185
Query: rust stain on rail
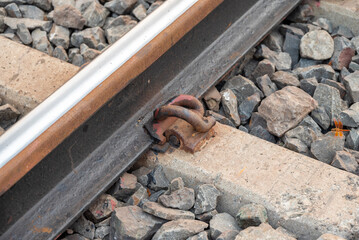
x,y
53,136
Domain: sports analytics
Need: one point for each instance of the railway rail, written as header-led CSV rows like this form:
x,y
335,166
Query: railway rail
x,y
78,147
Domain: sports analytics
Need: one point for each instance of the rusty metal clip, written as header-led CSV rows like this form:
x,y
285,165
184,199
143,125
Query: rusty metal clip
x,y
182,123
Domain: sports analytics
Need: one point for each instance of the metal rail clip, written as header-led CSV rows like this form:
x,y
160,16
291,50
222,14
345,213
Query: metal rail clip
x,y
181,123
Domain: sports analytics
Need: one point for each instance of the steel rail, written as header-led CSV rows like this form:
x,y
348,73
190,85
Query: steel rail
x,y
33,137
111,140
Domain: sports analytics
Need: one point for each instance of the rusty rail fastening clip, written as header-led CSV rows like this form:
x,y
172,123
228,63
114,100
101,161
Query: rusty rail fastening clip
x,y
182,123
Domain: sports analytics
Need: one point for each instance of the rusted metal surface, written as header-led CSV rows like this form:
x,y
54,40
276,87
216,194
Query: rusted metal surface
x,y
185,107
93,157
183,135
46,142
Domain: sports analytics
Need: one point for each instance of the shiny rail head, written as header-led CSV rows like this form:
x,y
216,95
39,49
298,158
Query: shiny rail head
x,y
25,131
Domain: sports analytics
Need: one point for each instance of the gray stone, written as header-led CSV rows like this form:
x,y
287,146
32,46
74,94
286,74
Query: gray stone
x,y
284,29
343,53
263,231
285,232
40,41
105,222
243,128
155,195
321,117
345,161
23,33
291,46
33,12
29,23
138,197
212,99
220,118
228,235
154,6
3,12
335,84
342,31
160,211
222,222
140,12
206,198
355,42
60,36
283,79
118,28
355,59
256,120
305,27
317,45
88,53
60,53
325,147
43,4
179,229
132,222
325,24
142,175
182,199
92,37
351,83
302,13
266,85
309,85
285,109
230,106
251,215
102,232
264,67
144,3
274,41
281,60
13,10
120,6
309,122
84,227
248,106
2,24
124,187
242,87
8,115
200,236
50,16
176,184
82,5
158,179
353,67
77,60
329,98
352,140
350,117
262,133
95,15
343,73
58,3
249,68
304,62
329,236
296,145
69,16
207,216
303,133
101,208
